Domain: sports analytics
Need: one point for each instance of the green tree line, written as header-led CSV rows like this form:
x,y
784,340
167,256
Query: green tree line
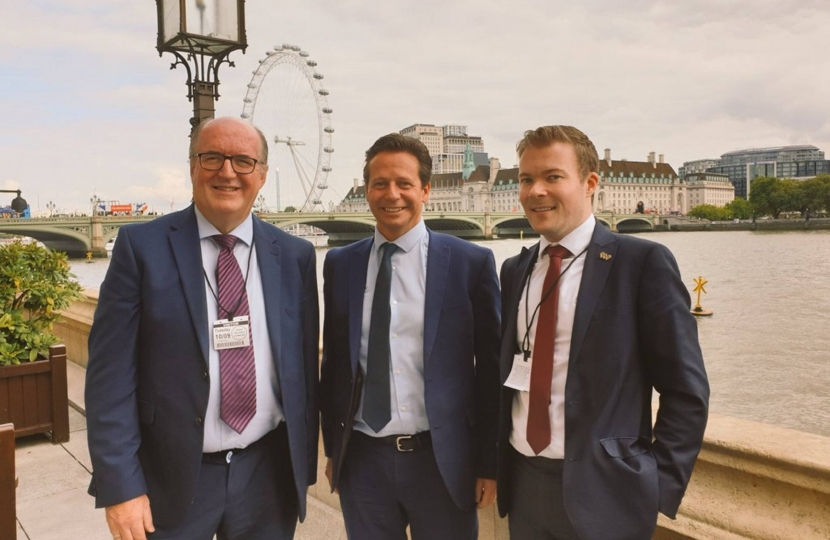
x,y
772,197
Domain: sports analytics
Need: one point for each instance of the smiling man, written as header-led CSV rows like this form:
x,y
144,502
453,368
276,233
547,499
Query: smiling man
x,y
409,381
592,323
202,376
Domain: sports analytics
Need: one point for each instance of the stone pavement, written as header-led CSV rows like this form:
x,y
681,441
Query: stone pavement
x,y
52,503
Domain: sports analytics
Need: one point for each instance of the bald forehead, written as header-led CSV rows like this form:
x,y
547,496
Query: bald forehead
x,y
229,126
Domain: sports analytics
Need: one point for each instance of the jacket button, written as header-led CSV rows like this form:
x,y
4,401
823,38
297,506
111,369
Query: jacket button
x,y
198,420
204,374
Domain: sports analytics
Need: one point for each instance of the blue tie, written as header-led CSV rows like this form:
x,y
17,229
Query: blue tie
x,y
376,408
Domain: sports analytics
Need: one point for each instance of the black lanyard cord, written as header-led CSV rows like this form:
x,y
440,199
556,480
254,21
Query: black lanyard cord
x,y
530,318
231,313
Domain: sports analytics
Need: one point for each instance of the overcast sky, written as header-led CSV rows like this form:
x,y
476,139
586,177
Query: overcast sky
x,y
88,107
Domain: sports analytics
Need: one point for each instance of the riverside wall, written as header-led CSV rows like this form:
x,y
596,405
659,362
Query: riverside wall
x,y
752,480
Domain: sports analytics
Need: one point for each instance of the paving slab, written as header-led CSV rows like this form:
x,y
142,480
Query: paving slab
x,y
44,469
77,422
21,535
67,515
322,522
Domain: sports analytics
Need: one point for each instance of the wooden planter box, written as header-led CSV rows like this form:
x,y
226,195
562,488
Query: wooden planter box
x,y
33,396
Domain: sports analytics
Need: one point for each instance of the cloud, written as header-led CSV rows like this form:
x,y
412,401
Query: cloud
x,y
171,190
90,106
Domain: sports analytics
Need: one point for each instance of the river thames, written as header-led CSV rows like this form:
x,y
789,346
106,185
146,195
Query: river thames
x,y
767,346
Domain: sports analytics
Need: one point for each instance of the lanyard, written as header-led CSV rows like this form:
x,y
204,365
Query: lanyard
x,y
230,313
530,318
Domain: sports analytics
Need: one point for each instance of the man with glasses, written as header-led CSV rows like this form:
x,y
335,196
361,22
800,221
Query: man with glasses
x,y
201,384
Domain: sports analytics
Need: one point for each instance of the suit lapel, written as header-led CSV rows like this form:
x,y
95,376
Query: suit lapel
x,y
594,275
438,266
358,263
524,266
268,259
187,251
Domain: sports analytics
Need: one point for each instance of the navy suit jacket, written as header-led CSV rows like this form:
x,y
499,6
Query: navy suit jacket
x,y
147,380
461,343
632,332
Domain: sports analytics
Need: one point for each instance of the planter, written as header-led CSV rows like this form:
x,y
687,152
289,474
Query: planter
x,y
33,396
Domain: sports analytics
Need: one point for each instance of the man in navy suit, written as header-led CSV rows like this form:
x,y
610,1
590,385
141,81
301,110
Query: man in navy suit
x,y
590,327
409,380
181,443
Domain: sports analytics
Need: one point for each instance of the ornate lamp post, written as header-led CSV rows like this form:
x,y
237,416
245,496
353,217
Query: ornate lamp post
x,y
201,34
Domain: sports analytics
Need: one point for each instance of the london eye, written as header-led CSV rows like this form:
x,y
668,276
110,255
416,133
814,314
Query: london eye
x,y
287,100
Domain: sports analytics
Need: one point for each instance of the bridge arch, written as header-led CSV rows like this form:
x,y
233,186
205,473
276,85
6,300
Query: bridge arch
x,y
634,224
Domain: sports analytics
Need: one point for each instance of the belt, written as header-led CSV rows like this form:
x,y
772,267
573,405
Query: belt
x,y
225,456
403,443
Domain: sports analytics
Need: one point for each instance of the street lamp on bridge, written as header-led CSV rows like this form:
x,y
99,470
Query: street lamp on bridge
x,y
201,34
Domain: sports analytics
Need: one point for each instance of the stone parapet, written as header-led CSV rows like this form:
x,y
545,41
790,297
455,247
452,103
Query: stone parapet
x,y
73,327
755,481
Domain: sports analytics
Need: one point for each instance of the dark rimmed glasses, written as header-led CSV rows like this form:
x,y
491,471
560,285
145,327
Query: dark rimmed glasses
x,y
212,161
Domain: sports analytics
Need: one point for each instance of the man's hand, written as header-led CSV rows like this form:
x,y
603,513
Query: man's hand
x,y
130,519
329,467
485,492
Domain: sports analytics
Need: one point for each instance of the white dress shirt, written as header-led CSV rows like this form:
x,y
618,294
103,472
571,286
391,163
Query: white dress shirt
x,y
570,277
218,435
406,331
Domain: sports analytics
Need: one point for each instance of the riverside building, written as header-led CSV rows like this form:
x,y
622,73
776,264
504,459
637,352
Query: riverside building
x,y
743,166
481,188
709,188
447,145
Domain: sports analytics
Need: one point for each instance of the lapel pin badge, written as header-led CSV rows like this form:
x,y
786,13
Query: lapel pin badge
x,y
605,256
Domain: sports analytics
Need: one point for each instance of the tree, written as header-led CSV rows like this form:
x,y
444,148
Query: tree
x,y
710,212
289,209
792,196
815,194
767,197
739,208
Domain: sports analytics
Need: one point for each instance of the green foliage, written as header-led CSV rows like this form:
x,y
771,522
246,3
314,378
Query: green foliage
x,y
772,196
766,196
289,209
35,283
710,212
739,208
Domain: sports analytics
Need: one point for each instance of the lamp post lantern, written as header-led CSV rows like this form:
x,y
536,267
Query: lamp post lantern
x,y
201,34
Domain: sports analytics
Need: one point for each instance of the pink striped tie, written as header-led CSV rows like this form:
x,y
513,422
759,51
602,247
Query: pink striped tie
x,y
237,372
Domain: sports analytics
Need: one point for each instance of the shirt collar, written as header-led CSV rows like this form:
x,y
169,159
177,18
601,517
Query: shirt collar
x,y
407,241
245,230
575,241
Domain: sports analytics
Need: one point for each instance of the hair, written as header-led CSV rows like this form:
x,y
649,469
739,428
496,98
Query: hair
x,y
586,153
395,142
197,133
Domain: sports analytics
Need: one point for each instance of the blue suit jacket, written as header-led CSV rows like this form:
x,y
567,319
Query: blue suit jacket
x,y
147,379
461,343
632,332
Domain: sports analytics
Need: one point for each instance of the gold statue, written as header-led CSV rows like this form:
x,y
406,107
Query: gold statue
x,y
698,310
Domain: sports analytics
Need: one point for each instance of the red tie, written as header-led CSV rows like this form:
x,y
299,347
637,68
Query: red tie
x,y
237,369
541,372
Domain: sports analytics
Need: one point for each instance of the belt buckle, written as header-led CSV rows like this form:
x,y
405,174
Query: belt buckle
x,y
398,443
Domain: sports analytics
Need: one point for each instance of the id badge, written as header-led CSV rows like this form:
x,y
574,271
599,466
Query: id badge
x,y
519,377
232,334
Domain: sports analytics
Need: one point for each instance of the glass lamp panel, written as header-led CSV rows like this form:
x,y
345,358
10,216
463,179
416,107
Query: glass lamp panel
x,y
213,18
171,10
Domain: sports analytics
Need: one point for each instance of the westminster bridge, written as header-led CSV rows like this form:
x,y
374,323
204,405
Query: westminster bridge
x,y
78,236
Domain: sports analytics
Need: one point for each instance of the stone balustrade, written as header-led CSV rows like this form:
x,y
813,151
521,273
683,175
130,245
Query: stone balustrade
x,y
751,481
